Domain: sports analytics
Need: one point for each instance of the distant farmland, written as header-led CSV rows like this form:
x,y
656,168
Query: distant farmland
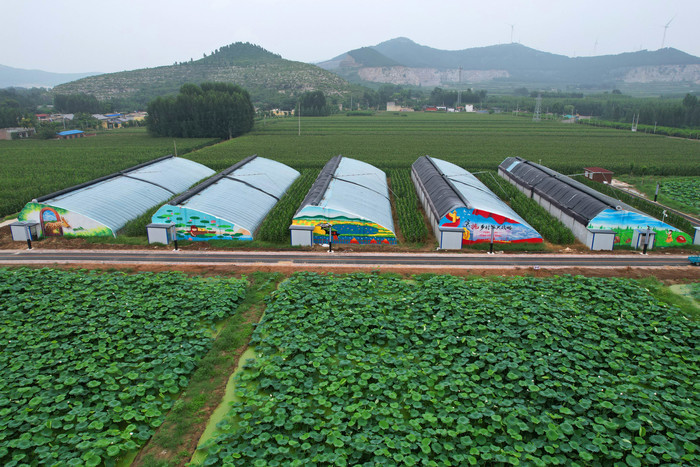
x,y
389,141
32,168
473,141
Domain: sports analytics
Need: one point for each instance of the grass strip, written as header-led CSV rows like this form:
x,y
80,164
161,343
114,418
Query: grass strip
x,y
176,440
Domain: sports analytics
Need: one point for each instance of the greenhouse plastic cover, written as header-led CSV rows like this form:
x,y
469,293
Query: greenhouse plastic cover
x,y
245,195
356,188
450,186
119,199
582,202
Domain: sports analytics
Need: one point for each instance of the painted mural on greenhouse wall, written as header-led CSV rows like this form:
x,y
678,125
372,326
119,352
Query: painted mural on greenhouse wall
x,y
476,227
198,226
626,222
344,230
59,222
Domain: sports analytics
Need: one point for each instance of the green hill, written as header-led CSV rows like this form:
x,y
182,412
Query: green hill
x,y
269,78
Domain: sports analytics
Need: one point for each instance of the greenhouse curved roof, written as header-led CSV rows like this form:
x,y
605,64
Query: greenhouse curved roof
x,y
118,198
580,201
449,186
243,194
354,188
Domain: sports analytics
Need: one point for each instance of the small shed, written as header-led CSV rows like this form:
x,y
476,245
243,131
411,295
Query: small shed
x,y
598,174
16,133
600,239
70,134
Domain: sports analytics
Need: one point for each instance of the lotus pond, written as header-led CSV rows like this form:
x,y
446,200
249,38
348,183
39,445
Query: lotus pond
x,y
366,369
90,362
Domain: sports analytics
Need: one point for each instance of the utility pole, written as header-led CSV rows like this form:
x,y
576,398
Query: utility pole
x,y
459,91
537,116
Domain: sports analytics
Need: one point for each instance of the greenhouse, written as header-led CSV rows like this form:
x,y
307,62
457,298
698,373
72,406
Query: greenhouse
x,y
597,220
103,206
230,205
347,204
462,210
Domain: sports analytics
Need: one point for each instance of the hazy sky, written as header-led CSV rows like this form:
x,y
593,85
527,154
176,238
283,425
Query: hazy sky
x,y
95,35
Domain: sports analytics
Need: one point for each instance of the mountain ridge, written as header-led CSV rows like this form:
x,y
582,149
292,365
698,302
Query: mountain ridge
x,y
507,61
275,81
23,78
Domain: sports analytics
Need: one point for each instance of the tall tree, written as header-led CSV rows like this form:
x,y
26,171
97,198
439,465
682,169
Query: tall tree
x,y
218,110
313,104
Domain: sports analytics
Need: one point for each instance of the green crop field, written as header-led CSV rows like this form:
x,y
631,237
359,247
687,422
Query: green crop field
x,y
473,141
357,369
90,363
33,168
682,193
365,369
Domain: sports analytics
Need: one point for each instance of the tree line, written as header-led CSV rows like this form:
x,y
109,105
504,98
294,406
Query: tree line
x,y
614,107
218,110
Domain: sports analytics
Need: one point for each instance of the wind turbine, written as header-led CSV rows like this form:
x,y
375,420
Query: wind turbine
x,y
663,41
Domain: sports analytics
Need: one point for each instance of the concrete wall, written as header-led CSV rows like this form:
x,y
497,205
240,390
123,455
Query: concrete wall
x,y
423,196
579,230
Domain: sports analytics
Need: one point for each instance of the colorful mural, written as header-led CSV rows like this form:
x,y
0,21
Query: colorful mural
x,y
624,223
195,225
476,225
58,222
345,230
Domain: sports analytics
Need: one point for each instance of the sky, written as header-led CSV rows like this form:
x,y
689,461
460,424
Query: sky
x,y
75,36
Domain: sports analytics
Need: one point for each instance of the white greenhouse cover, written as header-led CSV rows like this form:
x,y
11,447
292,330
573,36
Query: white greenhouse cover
x,y
475,192
116,201
360,190
245,196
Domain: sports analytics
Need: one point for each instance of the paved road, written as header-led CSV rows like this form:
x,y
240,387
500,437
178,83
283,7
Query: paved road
x,y
320,259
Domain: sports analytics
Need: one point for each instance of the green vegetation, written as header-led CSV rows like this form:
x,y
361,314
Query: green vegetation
x,y
202,394
260,72
370,369
682,193
91,362
212,110
77,103
666,116
17,105
543,222
275,227
691,133
685,191
473,141
407,206
369,57
313,104
347,369
33,168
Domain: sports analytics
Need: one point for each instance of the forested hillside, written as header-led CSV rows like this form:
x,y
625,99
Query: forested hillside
x,y
268,77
